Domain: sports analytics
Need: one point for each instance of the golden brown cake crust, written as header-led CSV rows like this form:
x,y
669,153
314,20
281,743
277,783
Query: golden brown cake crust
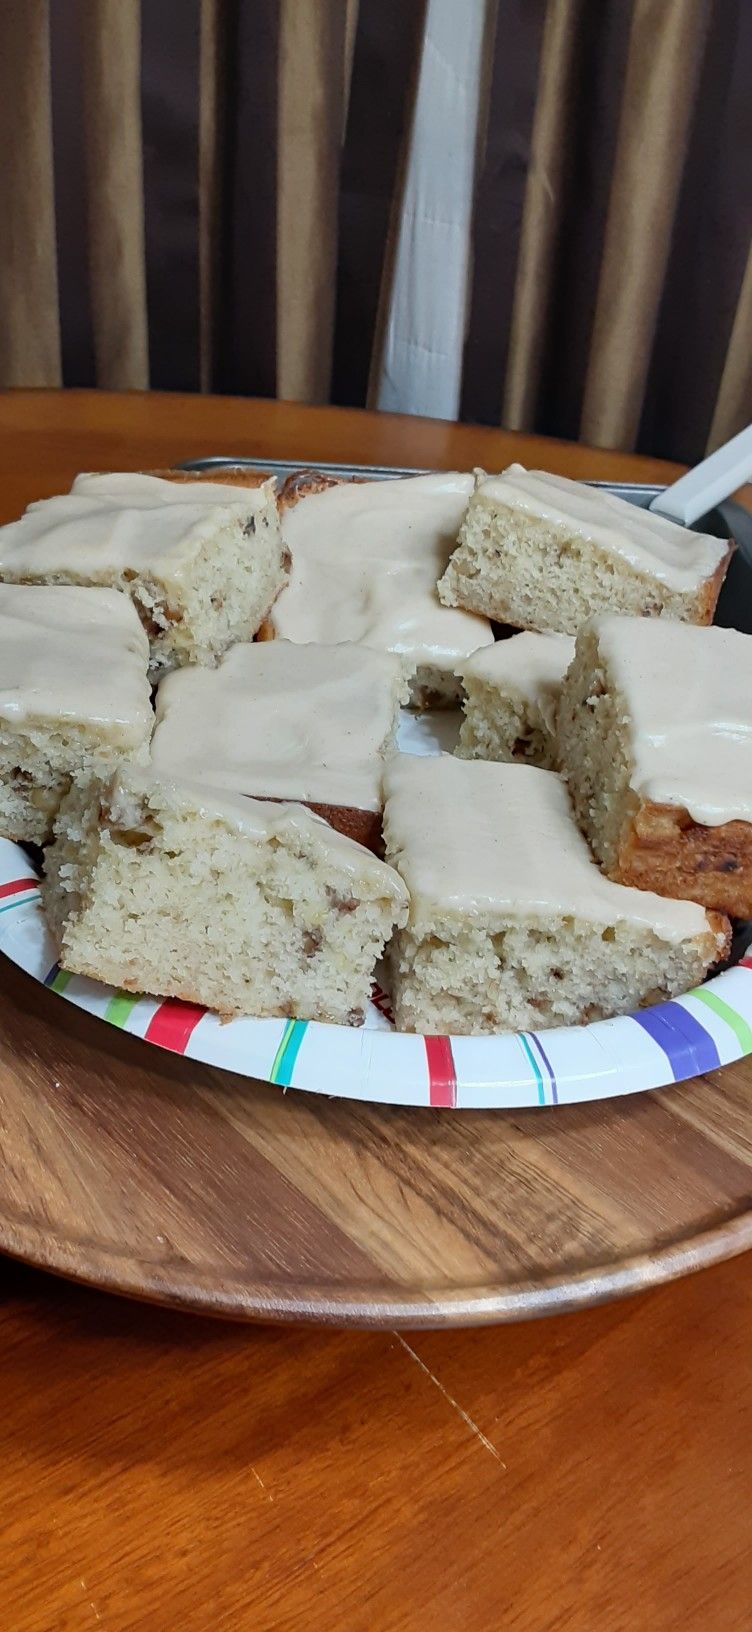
x,y
663,849
708,598
300,485
303,483
364,826
231,475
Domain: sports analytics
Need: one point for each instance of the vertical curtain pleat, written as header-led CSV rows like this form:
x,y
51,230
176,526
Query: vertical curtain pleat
x,y
170,71
709,246
29,322
69,177
210,153
388,260
112,125
387,47
352,8
664,56
733,409
543,212
246,331
598,70
311,94
499,203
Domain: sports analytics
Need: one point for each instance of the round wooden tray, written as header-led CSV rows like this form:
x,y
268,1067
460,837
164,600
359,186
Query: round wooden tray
x,y
151,1175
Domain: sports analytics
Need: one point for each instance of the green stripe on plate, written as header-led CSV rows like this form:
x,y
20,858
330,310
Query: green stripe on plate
x,y
23,901
283,1064
740,1027
61,980
536,1071
120,1007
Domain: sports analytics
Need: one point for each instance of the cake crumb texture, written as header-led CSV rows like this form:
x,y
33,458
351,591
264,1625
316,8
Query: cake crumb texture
x,y
74,697
511,924
243,906
655,734
541,552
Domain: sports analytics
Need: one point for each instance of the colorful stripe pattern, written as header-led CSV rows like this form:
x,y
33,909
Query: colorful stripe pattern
x,y
283,1064
18,892
120,1008
708,1027
740,1027
534,1066
688,1047
173,1025
56,978
442,1077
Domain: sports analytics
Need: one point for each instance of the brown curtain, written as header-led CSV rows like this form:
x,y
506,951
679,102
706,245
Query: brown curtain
x,y
205,195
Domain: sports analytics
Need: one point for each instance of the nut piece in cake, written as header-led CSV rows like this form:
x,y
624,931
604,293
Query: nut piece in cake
x,y
74,697
511,695
280,721
655,737
365,560
243,906
542,552
203,562
512,925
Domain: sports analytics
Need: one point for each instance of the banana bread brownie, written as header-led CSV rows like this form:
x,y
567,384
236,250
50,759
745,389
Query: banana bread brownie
x,y
512,925
511,695
202,562
243,906
281,721
74,696
655,734
365,559
543,552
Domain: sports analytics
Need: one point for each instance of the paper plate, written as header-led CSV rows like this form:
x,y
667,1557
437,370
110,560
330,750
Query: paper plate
x,y
706,1028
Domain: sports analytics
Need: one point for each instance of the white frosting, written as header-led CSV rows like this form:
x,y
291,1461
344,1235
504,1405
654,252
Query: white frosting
x,y
285,721
93,535
651,544
531,666
72,654
255,819
366,557
132,487
501,839
688,701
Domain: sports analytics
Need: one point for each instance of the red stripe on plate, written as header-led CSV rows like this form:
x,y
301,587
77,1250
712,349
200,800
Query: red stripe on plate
x,y
173,1024
745,963
17,885
442,1080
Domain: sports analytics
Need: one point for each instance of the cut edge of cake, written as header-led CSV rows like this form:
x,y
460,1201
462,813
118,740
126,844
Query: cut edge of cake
x,y
640,842
43,748
503,566
225,596
241,906
509,708
469,972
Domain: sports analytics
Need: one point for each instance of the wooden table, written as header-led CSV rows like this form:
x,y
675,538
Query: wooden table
x,y
160,1473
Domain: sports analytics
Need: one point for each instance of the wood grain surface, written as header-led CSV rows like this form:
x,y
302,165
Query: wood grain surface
x,y
147,1173
587,1473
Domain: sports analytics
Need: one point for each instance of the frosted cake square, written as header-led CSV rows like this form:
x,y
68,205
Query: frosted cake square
x,y
281,721
543,552
512,925
365,560
203,562
655,734
511,695
243,906
74,697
